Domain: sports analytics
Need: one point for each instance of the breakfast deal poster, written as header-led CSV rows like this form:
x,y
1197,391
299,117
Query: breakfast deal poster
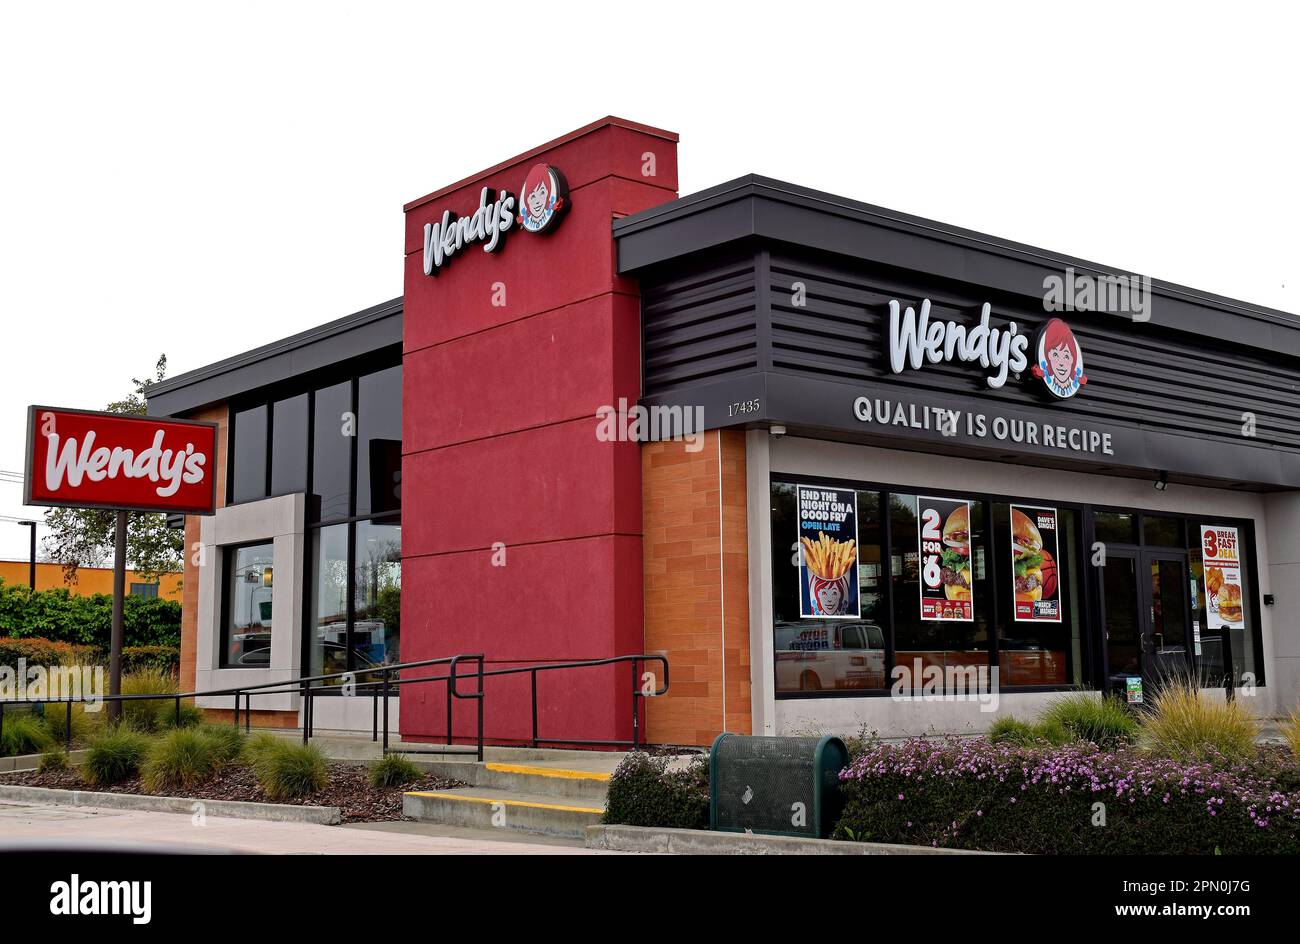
x,y
1034,544
828,543
1221,560
943,528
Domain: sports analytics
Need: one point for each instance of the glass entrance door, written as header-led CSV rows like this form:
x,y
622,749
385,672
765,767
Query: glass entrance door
x,y
1146,616
1168,603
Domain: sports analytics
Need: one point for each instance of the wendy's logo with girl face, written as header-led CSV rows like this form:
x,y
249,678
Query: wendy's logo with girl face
x,y
1059,363
543,200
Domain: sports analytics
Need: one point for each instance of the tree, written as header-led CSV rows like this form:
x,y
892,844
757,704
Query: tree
x,y
84,537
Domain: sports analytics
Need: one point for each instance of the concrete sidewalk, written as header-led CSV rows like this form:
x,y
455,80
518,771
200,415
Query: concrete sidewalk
x,y
28,823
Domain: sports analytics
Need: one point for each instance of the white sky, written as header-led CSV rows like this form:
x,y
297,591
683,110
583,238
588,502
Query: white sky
x,y
201,180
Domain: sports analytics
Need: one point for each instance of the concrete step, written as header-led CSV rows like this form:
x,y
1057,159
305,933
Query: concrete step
x,y
488,808
569,780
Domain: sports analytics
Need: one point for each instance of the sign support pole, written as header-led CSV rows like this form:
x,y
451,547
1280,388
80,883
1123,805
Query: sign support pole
x,y
115,644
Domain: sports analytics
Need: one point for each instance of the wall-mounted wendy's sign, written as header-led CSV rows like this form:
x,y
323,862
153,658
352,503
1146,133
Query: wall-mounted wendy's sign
x,y
543,205
915,341
84,459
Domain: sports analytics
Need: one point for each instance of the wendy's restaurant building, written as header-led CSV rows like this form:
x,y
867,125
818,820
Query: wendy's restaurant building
x,y
841,466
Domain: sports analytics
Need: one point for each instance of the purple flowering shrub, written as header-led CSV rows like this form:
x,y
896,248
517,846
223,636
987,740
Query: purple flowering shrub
x,y
973,794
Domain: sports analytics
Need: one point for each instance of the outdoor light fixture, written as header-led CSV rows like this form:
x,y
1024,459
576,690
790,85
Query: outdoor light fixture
x,y
777,432
1162,482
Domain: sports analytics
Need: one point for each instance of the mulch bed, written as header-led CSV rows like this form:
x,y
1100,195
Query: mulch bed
x,y
349,789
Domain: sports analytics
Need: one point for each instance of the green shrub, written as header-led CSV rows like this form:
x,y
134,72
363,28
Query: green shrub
x,y
62,616
393,771
227,741
644,792
290,771
1078,799
44,652
114,756
182,758
24,734
165,658
52,760
1104,721
1184,723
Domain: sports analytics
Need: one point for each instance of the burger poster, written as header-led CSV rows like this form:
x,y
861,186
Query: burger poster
x,y
943,526
1034,545
1221,560
828,544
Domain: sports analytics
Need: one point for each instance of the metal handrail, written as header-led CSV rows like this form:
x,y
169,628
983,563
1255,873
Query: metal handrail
x,y
307,686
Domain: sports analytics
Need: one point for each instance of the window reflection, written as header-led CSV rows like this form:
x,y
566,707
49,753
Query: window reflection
x,y
249,578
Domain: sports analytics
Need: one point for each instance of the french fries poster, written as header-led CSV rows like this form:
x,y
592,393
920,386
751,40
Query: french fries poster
x,y
1221,562
828,539
943,526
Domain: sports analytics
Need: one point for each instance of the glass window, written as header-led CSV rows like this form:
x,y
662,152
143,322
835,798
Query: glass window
x,y
248,480
819,654
379,442
249,573
1242,641
1163,531
144,590
946,644
378,605
289,446
1039,565
331,471
1112,527
329,619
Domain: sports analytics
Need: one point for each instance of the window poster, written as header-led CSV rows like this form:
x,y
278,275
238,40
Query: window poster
x,y
1221,561
1034,546
943,526
828,539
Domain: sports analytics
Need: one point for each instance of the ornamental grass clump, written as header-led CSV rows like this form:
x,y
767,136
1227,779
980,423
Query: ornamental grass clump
x,y
1187,724
1075,799
1105,721
182,758
1291,733
393,770
24,734
114,755
289,771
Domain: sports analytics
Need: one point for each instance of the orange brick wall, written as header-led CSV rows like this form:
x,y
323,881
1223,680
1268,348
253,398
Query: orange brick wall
x,y
190,585
686,569
259,719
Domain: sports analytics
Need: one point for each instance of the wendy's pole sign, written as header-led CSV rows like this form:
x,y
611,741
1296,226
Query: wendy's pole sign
x,y
84,459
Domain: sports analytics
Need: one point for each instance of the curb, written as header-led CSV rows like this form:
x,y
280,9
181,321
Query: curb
x,y
704,842
21,763
235,809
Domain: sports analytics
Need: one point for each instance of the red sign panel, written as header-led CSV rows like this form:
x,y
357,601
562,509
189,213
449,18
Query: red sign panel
x,y
106,460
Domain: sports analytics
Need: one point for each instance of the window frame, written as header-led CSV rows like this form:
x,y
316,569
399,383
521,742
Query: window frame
x,y
1092,651
228,552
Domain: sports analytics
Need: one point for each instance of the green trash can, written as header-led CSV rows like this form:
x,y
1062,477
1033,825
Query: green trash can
x,y
778,786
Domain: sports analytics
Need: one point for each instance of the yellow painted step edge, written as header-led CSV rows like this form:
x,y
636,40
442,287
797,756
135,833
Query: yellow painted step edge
x,y
547,772
490,801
